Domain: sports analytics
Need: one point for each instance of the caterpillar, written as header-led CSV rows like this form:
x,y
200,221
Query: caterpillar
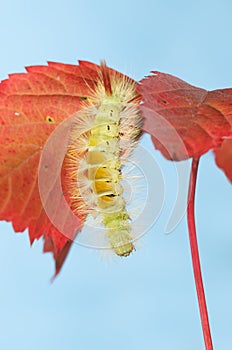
x,y
104,134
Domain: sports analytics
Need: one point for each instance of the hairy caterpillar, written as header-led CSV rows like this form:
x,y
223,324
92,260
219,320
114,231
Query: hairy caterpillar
x,y
104,134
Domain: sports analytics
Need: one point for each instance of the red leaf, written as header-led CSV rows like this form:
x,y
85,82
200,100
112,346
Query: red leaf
x,y
223,157
184,121
32,105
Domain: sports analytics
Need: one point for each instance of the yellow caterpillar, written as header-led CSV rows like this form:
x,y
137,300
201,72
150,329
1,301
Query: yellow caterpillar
x,y
104,134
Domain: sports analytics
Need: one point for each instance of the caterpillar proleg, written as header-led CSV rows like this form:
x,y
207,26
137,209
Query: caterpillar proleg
x,y
104,134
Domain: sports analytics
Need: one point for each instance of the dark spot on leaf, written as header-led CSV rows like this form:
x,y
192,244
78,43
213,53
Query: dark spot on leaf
x,y
50,119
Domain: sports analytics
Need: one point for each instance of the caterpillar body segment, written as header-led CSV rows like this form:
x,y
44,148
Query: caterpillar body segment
x,y
105,132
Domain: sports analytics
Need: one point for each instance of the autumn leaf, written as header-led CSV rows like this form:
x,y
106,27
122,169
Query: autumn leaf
x,y
184,121
36,114
223,157
32,105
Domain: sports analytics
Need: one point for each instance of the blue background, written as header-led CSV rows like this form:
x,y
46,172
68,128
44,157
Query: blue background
x,y
148,300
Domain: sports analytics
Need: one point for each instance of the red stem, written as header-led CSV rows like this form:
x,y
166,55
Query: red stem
x,y
196,258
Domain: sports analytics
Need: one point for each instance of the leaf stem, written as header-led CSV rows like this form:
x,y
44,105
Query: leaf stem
x,y
196,258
